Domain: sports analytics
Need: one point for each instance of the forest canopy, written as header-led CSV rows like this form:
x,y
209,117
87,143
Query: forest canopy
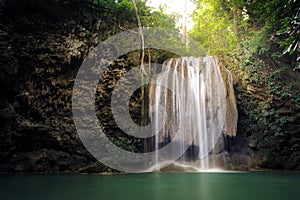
x,y
225,25
220,26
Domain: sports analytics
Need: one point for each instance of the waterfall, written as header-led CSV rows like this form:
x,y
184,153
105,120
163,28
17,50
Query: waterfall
x,y
188,106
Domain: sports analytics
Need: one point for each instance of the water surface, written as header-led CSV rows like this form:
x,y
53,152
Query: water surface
x,y
153,186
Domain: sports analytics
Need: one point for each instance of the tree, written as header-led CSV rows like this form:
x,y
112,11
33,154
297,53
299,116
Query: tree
x,y
214,27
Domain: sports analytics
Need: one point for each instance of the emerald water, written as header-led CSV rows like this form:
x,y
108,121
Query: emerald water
x,y
153,186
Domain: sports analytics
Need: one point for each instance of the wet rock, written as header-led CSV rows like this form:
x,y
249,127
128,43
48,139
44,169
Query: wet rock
x,y
241,168
46,161
95,167
252,142
223,160
25,162
241,160
7,113
293,162
178,168
219,146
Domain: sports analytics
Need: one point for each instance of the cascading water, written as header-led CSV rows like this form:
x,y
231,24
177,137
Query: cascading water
x,y
192,98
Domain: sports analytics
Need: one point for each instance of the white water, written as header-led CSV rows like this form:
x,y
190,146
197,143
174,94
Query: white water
x,y
193,95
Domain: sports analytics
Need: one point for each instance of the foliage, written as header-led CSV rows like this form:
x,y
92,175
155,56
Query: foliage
x,y
124,10
276,22
269,104
291,28
222,26
49,10
121,12
213,27
128,144
158,18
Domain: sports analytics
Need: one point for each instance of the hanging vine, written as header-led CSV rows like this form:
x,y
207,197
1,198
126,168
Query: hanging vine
x,y
144,109
141,35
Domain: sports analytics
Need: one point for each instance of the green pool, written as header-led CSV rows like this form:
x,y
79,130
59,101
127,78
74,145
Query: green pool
x,y
153,186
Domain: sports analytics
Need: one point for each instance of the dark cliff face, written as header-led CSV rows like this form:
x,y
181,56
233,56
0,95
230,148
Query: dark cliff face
x,y
41,49
42,45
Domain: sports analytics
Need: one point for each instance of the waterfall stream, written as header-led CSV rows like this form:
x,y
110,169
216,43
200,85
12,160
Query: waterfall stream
x,y
189,107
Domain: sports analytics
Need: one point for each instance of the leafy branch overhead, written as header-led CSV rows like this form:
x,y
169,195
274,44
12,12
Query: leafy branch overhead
x,y
223,26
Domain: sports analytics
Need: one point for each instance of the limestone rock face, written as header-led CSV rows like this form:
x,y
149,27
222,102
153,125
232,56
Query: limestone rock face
x,y
230,127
